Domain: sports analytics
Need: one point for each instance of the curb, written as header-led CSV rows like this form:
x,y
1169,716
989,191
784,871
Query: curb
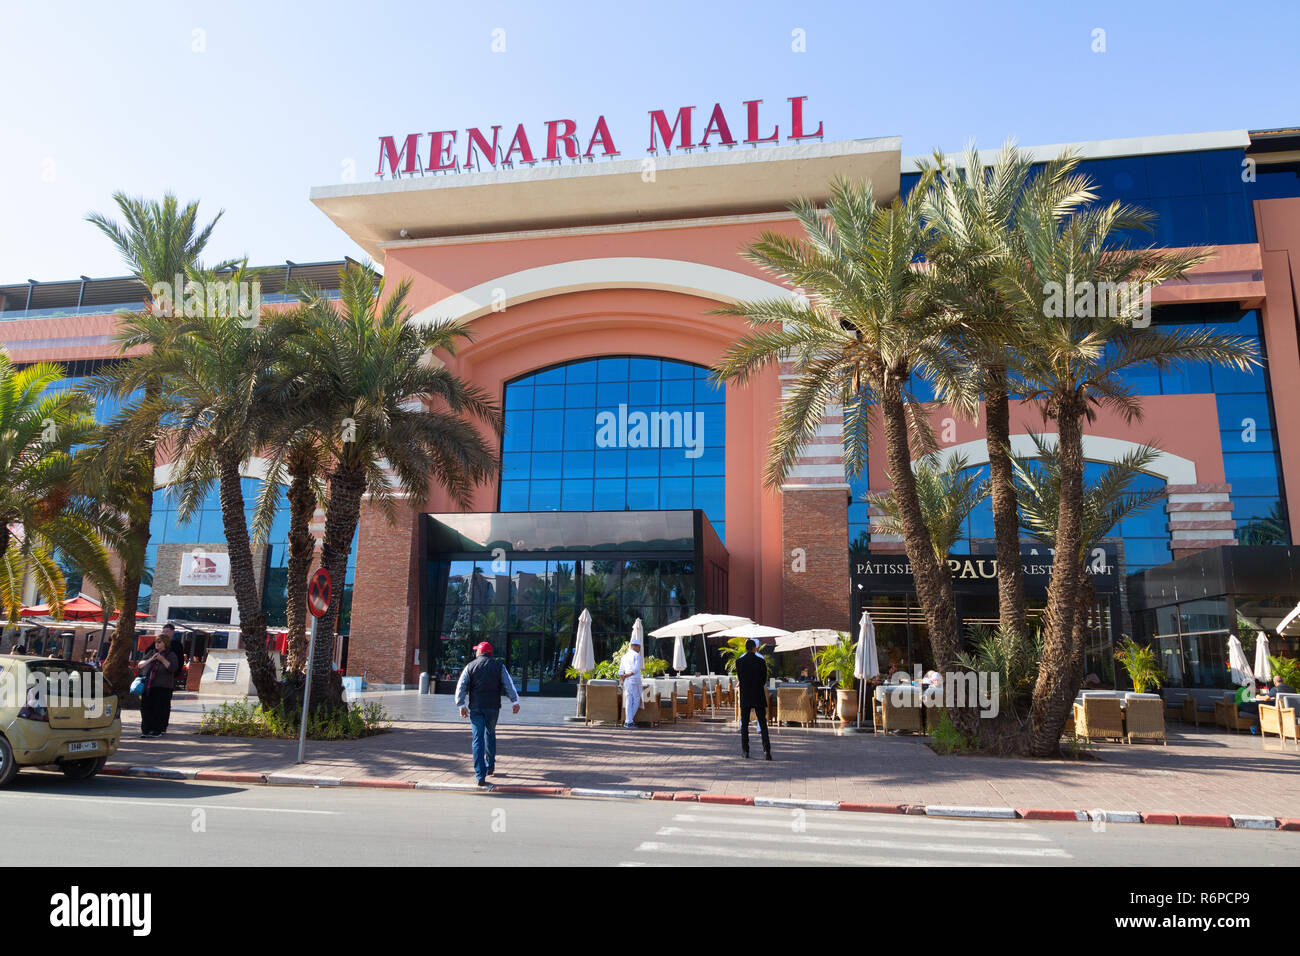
x,y
1071,815
1238,821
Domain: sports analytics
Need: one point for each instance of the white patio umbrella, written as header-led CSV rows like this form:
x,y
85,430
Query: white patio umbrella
x,y
1263,666
755,632
1237,662
584,652
700,625
866,662
811,638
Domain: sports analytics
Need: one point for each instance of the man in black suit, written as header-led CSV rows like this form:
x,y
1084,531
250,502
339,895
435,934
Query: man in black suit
x,y
751,673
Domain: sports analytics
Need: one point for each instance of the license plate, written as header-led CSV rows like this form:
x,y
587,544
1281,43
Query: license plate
x,y
82,747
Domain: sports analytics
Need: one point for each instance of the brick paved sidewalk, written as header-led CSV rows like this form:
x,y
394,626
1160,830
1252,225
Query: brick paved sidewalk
x,y
1201,771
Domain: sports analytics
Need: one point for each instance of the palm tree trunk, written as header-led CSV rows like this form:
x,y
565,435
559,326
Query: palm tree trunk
x,y
117,669
302,549
342,512
252,618
1055,687
1087,601
1006,514
933,581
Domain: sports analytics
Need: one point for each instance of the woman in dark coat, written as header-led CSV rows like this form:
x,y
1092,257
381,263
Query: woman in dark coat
x,y
159,673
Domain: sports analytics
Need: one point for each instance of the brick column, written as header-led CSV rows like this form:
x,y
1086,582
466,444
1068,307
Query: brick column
x,y
1200,517
815,520
385,598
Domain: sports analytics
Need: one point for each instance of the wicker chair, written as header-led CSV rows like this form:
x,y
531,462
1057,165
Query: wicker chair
x,y
1144,719
648,713
727,695
1228,715
604,702
1099,717
1190,714
898,717
796,704
686,703
1280,719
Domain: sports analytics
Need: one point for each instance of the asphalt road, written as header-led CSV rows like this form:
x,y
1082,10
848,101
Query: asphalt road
x,y
46,818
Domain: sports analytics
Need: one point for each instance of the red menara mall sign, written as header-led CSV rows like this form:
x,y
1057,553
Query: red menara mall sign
x,y
444,152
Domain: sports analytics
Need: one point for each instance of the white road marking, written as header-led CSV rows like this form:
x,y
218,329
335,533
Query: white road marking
x,y
797,856
1001,832
901,845
155,803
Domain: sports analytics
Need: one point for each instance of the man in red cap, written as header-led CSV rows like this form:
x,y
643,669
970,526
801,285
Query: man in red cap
x,y
478,695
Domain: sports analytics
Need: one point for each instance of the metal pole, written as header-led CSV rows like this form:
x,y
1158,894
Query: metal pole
x,y
306,693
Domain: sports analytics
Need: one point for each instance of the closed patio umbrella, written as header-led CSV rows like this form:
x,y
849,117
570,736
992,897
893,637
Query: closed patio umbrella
x,y
679,655
584,654
866,661
1263,666
1237,662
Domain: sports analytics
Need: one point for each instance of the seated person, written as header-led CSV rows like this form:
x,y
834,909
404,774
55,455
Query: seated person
x,y
1279,687
1247,700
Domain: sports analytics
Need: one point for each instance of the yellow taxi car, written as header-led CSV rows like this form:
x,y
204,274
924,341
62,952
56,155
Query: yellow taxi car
x,y
55,712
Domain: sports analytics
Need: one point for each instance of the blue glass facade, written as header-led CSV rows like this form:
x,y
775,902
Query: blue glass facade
x,y
627,433
1199,198
1246,432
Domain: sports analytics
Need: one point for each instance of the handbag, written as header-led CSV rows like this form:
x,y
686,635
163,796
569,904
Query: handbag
x,y
137,686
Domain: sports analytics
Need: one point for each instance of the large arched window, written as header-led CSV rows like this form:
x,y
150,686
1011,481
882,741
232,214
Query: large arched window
x,y
626,433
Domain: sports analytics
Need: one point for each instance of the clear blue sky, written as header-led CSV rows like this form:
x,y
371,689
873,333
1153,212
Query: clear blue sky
x,y
100,97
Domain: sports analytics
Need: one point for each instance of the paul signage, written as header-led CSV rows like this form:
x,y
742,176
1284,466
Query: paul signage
x,y
979,572
480,147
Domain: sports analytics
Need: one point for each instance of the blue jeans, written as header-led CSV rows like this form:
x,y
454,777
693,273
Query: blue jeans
x,y
484,723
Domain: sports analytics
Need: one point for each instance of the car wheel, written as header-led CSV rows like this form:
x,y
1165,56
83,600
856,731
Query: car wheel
x,y
8,766
82,769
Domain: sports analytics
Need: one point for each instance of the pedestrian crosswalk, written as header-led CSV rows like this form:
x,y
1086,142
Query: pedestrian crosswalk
x,y
730,836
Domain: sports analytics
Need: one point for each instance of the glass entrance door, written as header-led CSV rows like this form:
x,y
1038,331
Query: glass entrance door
x,y
524,662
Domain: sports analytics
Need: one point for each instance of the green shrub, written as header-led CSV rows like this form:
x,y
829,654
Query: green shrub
x,y
946,739
246,718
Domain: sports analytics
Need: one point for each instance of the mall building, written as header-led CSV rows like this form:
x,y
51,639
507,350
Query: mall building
x,y
631,484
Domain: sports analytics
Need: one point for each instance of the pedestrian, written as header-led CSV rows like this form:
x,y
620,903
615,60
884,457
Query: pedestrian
x,y
159,673
629,673
478,695
751,672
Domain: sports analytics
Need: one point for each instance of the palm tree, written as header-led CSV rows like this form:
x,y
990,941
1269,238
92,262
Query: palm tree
x,y
159,241
947,493
1086,290
972,213
396,417
39,494
1107,501
866,328
1267,529
215,363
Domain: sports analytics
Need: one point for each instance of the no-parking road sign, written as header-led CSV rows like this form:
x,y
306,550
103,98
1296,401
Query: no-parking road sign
x,y
318,593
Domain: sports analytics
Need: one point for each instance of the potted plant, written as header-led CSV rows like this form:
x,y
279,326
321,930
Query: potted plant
x,y
838,659
1141,663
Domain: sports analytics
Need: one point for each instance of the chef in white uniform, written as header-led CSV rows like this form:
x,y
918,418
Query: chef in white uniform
x,y
629,672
